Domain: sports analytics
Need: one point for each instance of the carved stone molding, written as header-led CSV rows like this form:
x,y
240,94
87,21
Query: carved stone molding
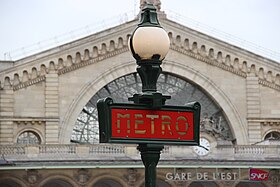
x,y
131,176
208,61
265,121
29,83
82,176
91,61
271,123
32,177
269,84
274,177
265,69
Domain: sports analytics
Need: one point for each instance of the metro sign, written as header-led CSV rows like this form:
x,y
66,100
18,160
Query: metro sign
x,y
131,123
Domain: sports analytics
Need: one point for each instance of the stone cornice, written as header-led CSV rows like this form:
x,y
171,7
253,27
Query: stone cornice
x,y
29,83
27,119
265,121
190,53
269,84
193,46
197,36
91,61
208,61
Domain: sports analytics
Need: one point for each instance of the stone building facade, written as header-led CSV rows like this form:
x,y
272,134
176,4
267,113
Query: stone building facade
x,y
48,117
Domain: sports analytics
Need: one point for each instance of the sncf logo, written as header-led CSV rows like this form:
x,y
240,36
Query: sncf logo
x,y
258,175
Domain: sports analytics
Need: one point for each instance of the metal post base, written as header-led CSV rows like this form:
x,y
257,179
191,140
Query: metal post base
x,y
150,154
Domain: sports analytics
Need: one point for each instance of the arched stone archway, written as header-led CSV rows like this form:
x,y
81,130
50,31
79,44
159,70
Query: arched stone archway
x,y
203,184
250,184
160,183
213,121
107,183
88,90
57,183
7,180
57,180
194,76
9,183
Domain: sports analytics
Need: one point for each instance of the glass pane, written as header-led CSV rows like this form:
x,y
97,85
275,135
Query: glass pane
x,y
212,117
28,137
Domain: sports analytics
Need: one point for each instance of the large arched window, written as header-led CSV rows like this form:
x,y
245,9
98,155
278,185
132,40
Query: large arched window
x,y
274,135
57,183
28,137
9,183
212,117
250,184
203,184
159,183
107,183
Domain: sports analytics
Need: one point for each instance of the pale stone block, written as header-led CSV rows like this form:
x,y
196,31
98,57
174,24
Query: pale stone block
x,y
51,135
8,112
253,99
83,150
7,96
52,84
50,88
32,151
6,105
130,151
51,110
51,92
254,111
277,112
256,102
52,101
52,127
51,105
50,76
253,86
253,107
51,131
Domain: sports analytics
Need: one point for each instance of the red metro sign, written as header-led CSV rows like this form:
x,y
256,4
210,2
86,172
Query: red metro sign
x,y
159,124
130,123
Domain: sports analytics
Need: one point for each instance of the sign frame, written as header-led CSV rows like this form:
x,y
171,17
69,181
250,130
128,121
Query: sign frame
x,y
105,106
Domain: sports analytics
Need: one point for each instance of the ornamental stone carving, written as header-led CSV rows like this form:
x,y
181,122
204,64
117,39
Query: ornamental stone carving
x,y
82,176
32,177
131,176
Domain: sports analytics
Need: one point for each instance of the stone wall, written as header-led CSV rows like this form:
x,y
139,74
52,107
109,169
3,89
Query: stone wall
x,y
50,88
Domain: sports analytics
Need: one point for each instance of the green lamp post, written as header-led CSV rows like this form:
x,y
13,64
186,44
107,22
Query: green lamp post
x,y
148,122
149,44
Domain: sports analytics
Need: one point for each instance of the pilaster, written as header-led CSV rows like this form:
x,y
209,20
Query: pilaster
x,y
52,107
253,108
6,112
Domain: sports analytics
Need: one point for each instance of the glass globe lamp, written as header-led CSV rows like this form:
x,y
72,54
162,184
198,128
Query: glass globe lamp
x,y
149,42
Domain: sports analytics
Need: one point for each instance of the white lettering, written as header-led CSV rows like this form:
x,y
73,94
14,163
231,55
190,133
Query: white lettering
x,y
234,175
259,175
224,176
199,176
169,176
189,176
183,176
177,177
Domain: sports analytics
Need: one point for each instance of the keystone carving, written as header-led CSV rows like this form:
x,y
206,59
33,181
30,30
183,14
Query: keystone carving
x,y
131,177
82,176
32,177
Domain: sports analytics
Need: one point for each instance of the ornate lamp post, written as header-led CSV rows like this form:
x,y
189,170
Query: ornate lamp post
x,y
148,122
149,44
